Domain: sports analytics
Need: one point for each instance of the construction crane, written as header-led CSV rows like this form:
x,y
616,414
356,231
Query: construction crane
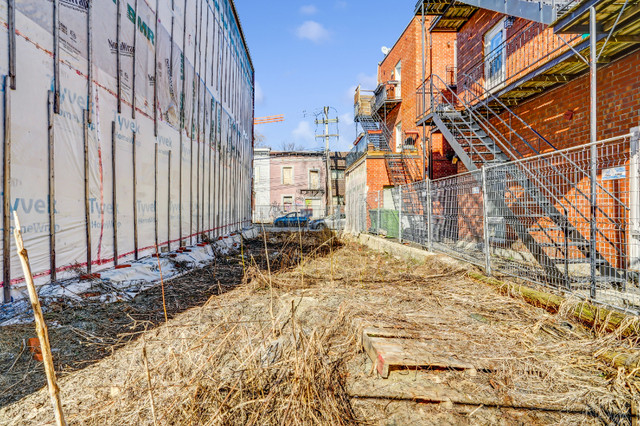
x,y
269,119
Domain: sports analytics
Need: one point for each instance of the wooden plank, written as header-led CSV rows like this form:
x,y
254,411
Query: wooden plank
x,y
426,392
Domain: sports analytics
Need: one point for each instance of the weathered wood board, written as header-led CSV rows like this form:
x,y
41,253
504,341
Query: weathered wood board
x,y
391,349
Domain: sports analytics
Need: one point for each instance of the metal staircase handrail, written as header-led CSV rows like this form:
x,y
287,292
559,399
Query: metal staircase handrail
x,y
540,137
383,126
544,183
453,108
526,171
472,113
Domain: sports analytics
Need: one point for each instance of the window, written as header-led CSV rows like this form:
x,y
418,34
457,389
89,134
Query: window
x,y
494,57
397,76
339,200
399,137
314,179
287,175
287,201
337,174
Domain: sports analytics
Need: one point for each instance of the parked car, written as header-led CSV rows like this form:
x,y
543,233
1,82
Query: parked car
x,y
334,221
291,219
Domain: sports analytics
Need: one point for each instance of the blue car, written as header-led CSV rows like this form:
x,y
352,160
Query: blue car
x,y
292,219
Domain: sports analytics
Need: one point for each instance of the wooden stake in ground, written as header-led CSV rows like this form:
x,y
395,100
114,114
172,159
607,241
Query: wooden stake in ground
x,y
149,388
41,327
164,303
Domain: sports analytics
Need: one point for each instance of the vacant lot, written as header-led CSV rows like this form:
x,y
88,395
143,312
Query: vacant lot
x,y
282,345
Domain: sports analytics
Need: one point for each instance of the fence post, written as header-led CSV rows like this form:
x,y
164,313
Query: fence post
x,y
593,223
485,223
634,192
400,213
379,215
429,219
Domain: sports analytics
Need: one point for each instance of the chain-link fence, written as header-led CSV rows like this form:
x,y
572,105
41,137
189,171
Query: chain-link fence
x,y
567,219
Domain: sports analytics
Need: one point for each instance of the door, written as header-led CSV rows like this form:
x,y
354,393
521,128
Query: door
x,y
399,137
398,77
494,57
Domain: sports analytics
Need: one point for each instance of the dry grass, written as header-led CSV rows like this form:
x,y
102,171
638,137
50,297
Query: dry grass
x,y
283,349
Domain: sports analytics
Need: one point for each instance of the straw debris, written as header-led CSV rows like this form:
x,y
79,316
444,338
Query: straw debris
x,y
284,348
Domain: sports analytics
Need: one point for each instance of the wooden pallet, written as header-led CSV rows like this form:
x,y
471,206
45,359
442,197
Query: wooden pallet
x,y
391,349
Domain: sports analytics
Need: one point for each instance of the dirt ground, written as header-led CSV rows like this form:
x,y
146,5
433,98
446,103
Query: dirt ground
x,y
83,333
282,345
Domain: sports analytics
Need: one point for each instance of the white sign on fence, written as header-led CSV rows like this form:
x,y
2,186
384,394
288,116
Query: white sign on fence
x,y
614,173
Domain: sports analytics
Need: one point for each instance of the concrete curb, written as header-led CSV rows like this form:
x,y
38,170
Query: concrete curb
x,y
401,251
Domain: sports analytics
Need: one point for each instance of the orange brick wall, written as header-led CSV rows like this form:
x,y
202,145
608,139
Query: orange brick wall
x,y
408,48
562,114
377,177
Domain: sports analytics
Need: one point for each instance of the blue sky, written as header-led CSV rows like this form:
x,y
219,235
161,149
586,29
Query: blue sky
x,y
311,54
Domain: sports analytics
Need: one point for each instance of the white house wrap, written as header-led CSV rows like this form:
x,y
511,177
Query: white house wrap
x,y
185,84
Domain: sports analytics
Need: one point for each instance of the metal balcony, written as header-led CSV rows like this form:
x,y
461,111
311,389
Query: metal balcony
x,y
387,96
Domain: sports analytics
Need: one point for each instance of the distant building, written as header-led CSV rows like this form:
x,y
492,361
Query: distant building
x,y
392,150
261,184
296,181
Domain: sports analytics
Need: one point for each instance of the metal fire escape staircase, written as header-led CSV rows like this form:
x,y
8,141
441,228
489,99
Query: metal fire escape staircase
x,y
544,11
378,134
524,199
399,171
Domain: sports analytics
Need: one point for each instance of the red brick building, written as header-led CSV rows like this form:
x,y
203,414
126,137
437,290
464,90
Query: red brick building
x,y
525,69
523,89
391,148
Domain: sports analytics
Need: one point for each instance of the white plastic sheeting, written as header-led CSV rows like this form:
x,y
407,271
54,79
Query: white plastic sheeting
x,y
184,65
124,284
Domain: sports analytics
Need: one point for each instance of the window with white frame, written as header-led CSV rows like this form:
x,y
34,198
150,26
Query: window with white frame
x,y
495,55
314,179
287,175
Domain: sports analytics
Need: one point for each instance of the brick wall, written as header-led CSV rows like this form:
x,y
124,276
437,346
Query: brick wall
x,y
302,165
562,114
408,48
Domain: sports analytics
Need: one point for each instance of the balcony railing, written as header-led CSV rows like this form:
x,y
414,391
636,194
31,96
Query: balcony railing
x,y
363,102
387,93
357,152
526,50
434,92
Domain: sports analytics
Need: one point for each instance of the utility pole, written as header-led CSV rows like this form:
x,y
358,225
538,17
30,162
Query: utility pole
x,y
327,137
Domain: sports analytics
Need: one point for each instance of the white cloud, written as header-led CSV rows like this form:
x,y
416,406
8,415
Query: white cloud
x,y
308,10
259,94
304,134
311,30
